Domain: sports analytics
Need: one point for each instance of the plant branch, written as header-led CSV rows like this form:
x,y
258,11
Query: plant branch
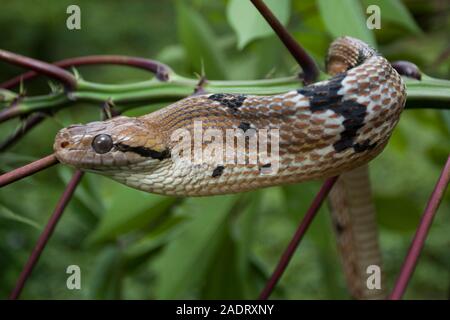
x,y
307,63
422,231
434,93
45,236
27,124
301,230
407,68
160,70
49,70
27,170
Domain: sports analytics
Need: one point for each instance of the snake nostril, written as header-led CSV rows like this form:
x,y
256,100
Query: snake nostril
x,y
64,144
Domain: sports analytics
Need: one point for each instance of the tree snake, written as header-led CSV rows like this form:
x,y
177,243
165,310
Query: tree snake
x,y
321,130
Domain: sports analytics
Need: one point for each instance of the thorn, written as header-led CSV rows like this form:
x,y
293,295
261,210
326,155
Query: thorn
x,y
7,95
199,88
22,90
270,73
76,74
108,109
202,72
54,86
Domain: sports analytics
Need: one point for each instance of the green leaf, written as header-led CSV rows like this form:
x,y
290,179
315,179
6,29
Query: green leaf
x,y
247,22
398,213
130,209
106,277
200,43
396,12
155,238
223,280
186,259
87,193
345,18
445,116
10,215
230,275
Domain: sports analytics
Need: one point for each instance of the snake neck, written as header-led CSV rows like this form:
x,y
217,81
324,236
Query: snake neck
x,y
346,53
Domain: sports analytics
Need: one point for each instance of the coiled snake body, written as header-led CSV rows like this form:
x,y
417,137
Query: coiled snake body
x,y
324,129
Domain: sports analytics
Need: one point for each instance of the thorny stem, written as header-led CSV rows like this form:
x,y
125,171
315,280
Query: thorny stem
x,y
301,230
27,170
422,231
49,70
309,66
45,236
160,70
148,92
27,124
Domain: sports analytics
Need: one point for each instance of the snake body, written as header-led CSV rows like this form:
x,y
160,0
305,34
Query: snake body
x,y
323,130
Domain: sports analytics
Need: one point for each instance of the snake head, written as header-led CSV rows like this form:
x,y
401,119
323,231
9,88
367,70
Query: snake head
x,y
118,144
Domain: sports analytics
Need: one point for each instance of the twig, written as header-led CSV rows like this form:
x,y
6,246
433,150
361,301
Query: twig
x,y
301,230
109,110
407,68
422,231
27,124
160,70
10,112
45,236
49,70
310,70
27,170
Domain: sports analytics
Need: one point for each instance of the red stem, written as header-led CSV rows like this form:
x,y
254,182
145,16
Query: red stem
x,y
27,124
45,236
422,231
41,67
27,170
309,66
159,69
301,230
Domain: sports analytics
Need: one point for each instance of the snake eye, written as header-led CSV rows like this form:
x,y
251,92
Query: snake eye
x,y
102,143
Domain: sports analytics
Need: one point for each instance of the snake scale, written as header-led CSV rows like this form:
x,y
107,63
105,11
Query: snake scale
x,y
322,130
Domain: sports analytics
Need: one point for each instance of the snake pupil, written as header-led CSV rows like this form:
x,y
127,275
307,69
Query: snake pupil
x,y
102,143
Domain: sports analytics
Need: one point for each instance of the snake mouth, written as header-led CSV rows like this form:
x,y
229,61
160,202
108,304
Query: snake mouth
x,y
69,150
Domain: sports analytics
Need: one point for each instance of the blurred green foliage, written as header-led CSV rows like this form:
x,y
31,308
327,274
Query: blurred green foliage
x,y
133,245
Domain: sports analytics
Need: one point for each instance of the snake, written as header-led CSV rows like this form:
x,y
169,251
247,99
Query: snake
x,y
328,128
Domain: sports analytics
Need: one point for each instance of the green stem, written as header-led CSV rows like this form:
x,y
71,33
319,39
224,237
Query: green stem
x,y
427,93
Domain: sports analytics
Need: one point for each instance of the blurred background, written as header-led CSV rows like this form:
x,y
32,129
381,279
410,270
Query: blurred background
x,y
133,245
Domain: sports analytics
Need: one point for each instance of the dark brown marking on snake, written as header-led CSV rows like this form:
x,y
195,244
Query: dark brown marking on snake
x,y
143,151
265,166
339,227
362,56
244,126
217,172
231,101
326,97
366,145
